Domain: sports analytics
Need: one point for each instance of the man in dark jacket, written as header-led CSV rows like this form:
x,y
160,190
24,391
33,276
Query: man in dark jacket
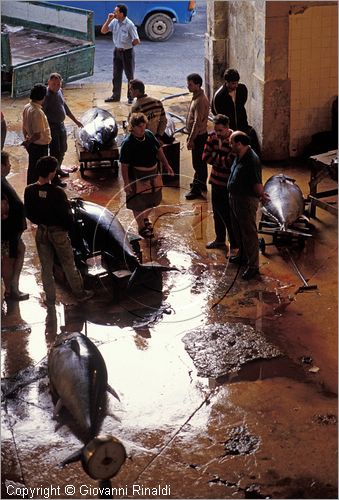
x,y
230,100
245,191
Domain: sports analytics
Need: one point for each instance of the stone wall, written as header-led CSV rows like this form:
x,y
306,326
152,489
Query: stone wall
x,y
286,54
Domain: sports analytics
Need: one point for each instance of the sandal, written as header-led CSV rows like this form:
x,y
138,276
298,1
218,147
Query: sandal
x,y
146,232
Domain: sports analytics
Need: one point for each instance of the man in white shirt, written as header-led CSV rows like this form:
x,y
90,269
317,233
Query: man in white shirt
x,y
125,37
36,131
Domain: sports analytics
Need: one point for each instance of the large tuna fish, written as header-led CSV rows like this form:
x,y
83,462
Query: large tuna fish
x,y
286,204
78,382
98,131
100,230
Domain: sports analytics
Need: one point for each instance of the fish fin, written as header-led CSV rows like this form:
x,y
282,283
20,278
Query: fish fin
x,y
112,391
75,347
74,457
57,408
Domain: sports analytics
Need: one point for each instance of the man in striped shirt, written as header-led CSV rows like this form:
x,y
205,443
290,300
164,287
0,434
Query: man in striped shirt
x,y
217,152
152,108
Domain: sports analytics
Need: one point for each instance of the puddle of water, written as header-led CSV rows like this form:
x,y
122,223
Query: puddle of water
x,y
218,349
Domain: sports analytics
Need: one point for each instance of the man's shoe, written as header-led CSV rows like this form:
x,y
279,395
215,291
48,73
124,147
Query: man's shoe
x,y
194,195
112,99
215,244
88,294
62,173
236,259
17,296
251,272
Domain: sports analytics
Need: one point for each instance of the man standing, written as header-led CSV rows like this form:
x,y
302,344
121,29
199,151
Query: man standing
x,y
36,131
245,191
196,124
13,224
230,100
56,110
125,37
217,152
47,206
152,108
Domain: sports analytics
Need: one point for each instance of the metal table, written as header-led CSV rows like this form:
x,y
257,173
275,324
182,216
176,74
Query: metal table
x,y
323,166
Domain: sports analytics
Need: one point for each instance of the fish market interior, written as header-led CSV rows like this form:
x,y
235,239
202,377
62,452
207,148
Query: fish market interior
x,y
202,384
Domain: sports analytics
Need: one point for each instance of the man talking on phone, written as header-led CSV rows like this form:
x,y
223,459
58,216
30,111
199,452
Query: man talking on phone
x,y
125,37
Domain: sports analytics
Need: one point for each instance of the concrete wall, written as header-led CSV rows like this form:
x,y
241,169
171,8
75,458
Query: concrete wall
x,y
278,48
312,71
216,45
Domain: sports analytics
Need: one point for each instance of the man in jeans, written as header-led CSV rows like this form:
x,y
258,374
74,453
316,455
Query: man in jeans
x,y
196,124
47,206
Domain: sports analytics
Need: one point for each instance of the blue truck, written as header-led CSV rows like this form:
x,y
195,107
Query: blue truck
x,y
155,19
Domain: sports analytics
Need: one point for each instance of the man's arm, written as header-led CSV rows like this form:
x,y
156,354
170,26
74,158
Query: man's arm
x,y
124,173
133,33
209,154
163,159
261,194
104,28
162,122
71,116
200,114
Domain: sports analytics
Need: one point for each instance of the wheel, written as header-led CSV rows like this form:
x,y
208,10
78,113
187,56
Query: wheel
x,y
158,27
262,245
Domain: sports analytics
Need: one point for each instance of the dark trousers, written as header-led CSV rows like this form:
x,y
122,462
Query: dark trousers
x,y
244,212
199,165
35,151
123,60
222,215
58,145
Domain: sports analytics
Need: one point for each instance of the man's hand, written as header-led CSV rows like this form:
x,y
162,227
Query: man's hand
x,y
128,190
110,17
169,170
189,144
264,197
25,144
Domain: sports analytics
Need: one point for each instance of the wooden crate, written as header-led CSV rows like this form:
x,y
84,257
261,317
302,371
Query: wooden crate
x,y
107,158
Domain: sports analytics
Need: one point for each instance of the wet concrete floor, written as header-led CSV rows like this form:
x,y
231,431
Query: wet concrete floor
x,y
265,430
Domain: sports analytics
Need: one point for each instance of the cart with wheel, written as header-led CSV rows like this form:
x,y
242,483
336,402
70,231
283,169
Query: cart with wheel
x,y
98,160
